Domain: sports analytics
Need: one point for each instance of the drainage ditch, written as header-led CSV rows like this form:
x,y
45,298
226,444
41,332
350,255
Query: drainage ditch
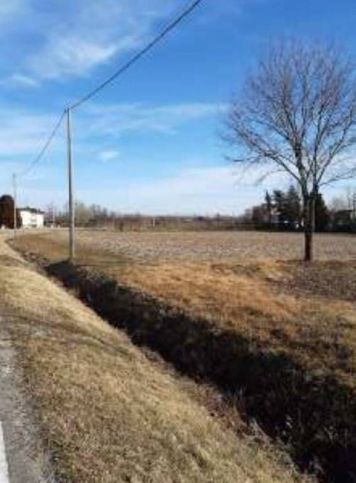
x,y
315,417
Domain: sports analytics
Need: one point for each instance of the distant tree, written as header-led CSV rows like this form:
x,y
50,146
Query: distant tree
x,y
338,203
7,212
288,207
279,206
259,215
322,215
269,207
351,198
87,215
298,113
292,208
83,214
342,211
246,217
51,213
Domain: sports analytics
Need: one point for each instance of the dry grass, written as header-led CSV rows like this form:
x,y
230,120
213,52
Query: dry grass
x,y
106,412
314,331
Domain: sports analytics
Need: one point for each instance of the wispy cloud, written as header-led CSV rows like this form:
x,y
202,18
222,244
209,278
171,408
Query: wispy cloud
x,y
116,119
62,40
22,133
200,190
69,56
109,155
69,39
21,80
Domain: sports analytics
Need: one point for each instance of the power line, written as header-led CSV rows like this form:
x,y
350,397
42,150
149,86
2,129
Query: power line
x,y
43,151
67,112
186,12
171,26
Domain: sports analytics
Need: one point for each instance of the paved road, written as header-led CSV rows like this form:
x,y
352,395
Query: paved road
x,y
20,458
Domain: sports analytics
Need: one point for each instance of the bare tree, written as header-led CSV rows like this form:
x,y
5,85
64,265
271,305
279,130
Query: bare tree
x,y
298,112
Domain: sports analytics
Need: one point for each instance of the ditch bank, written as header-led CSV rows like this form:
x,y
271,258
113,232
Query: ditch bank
x,y
315,417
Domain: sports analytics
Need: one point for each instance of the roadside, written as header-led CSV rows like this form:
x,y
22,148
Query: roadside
x,y
22,459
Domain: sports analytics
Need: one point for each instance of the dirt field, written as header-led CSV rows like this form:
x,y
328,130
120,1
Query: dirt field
x,y
218,245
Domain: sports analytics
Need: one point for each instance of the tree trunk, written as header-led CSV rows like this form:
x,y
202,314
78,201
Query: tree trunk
x,y
309,227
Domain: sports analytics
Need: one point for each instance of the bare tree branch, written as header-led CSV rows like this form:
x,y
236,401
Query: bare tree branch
x,y
298,111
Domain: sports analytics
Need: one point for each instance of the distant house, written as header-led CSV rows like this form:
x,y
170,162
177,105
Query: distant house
x,y
31,217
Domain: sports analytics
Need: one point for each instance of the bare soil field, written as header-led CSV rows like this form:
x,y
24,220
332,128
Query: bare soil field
x,y
239,311
195,246
209,246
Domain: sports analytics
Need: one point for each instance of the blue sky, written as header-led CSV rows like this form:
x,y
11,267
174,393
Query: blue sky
x,y
150,142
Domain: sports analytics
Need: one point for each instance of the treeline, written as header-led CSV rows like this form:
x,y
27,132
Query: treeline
x,y
7,213
85,215
283,210
95,216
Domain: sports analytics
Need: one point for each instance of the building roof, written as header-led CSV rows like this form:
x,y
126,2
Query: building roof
x,y
35,211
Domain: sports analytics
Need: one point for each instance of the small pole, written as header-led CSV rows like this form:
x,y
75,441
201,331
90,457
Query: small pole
x,y
15,203
70,189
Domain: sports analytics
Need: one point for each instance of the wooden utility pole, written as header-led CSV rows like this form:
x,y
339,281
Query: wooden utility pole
x,y
15,203
70,189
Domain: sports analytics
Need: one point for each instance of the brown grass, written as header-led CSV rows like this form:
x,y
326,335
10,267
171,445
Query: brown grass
x,y
312,330
106,412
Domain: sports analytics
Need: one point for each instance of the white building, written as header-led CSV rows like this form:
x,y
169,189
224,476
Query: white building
x,y
31,218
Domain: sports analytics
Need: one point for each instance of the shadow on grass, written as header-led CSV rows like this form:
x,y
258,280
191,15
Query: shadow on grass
x,y
314,416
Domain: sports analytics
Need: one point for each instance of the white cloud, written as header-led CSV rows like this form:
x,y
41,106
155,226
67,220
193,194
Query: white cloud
x,y
71,38
69,56
108,155
23,133
118,118
22,80
190,191
199,191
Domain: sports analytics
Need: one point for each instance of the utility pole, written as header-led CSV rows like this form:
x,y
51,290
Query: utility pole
x,y
70,189
15,203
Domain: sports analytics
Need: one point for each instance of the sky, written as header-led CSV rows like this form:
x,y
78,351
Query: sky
x,y
150,142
